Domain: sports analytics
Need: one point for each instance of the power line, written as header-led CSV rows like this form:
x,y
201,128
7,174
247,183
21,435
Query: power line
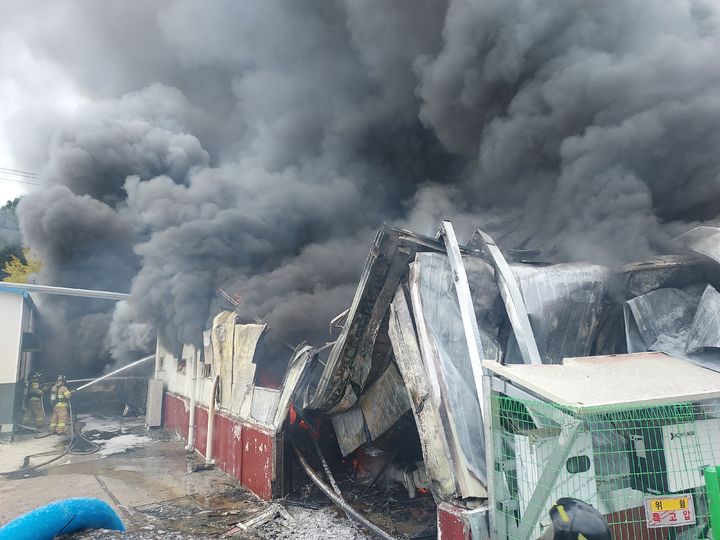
x,y
20,181
19,172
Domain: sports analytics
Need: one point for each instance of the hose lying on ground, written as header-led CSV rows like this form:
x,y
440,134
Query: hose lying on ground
x,y
75,437
69,447
339,501
62,517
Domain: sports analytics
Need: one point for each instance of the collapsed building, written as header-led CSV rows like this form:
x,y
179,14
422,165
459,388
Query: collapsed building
x,y
398,395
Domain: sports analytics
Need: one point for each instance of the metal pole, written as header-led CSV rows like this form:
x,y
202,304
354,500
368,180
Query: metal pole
x,y
65,291
713,494
157,356
325,465
513,299
211,422
465,303
490,419
193,384
132,364
339,501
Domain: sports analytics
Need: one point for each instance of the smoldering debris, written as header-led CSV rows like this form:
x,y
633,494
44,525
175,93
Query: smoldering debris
x,y
227,145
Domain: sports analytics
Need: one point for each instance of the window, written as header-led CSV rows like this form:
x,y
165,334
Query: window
x,y
578,464
30,342
181,362
204,370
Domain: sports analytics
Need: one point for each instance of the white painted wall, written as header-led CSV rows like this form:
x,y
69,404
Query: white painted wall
x,y
178,382
26,367
11,313
238,371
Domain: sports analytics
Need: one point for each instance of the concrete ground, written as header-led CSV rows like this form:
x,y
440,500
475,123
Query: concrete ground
x,y
146,477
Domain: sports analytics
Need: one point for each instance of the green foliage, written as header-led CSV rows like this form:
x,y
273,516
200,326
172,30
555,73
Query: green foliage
x,y
19,270
7,252
9,236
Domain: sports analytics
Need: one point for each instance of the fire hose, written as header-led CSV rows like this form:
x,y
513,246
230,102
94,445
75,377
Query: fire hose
x,y
75,437
60,518
75,434
337,499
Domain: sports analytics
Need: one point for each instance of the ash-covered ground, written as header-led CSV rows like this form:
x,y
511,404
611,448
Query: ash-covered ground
x,y
306,524
146,477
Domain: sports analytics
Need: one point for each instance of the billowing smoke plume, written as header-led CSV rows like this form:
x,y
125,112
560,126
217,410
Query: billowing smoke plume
x,y
10,241
254,147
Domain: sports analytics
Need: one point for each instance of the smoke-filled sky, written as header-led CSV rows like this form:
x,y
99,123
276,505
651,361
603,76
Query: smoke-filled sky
x,y
256,146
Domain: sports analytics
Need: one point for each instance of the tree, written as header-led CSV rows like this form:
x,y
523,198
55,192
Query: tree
x,y
10,243
19,270
7,252
11,205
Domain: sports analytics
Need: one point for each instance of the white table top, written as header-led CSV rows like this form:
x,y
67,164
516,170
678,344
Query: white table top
x,y
605,381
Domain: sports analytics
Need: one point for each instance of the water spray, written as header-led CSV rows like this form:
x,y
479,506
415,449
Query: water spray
x,y
131,364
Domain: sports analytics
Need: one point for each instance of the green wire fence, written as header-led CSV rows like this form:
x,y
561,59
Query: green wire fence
x,y
641,468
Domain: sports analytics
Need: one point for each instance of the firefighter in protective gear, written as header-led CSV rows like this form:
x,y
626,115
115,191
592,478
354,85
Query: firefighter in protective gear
x,y
34,413
573,519
60,396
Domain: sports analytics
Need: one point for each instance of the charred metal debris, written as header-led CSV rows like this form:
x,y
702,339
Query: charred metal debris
x,y
395,401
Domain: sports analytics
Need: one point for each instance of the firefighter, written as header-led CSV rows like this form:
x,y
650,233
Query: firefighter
x,y
572,519
60,396
34,413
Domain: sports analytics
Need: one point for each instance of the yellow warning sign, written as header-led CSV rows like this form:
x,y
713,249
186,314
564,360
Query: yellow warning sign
x,y
669,511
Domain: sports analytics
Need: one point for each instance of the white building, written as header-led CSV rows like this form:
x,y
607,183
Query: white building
x,y
246,431
17,320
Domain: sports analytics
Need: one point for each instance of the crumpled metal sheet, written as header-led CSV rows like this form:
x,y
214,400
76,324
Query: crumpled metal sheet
x,y
264,404
207,348
679,323
659,320
487,304
292,382
350,357
384,402
564,303
436,451
245,342
703,240
705,330
513,299
378,409
444,351
348,400
350,429
677,271
223,338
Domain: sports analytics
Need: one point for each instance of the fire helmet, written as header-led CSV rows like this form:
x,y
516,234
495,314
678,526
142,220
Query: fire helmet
x,y
572,519
61,379
36,376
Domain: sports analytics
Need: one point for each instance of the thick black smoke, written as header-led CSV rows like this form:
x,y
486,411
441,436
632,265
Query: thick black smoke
x,y
599,119
10,241
255,146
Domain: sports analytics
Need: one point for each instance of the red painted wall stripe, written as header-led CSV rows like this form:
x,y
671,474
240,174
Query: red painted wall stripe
x,y
240,449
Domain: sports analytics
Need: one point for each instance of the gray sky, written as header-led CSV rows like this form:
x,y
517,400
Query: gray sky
x,y
28,80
